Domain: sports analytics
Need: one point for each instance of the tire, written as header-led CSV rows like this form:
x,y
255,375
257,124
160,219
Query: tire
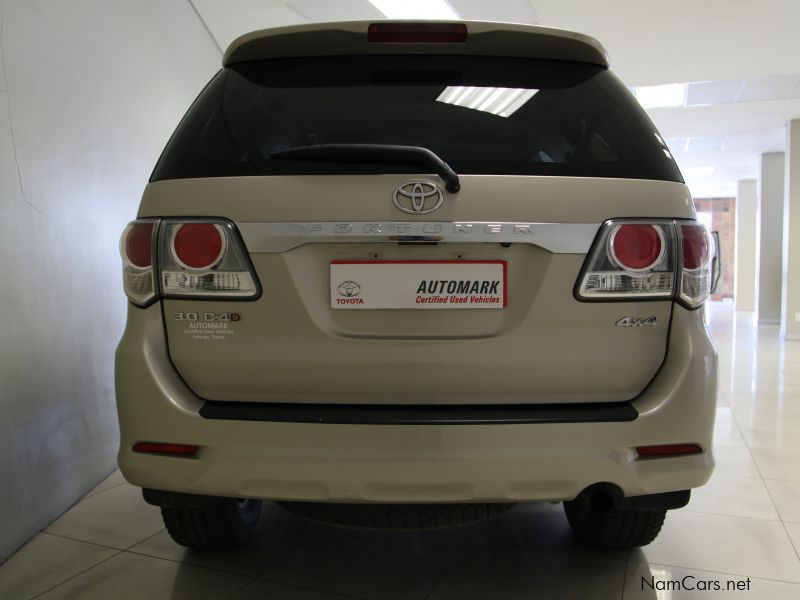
x,y
397,517
223,523
596,522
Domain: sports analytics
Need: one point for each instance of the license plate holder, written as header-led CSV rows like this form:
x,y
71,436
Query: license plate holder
x,y
418,284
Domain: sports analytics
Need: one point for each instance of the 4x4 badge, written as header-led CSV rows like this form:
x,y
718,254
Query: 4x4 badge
x,y
418,197
637,322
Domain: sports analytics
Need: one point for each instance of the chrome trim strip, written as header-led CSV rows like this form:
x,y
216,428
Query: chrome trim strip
x,y
561,238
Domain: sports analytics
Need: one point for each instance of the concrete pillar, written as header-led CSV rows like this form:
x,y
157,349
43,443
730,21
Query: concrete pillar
x,y
744,295
770,211
790,314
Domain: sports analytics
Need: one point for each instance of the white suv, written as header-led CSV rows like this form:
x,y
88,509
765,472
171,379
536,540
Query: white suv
x,y
409,274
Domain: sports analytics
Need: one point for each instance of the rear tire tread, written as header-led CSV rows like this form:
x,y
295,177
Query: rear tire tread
x,y
222,525
615,528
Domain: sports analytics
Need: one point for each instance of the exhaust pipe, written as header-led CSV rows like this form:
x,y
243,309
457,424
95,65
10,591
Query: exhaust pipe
x,y
603,497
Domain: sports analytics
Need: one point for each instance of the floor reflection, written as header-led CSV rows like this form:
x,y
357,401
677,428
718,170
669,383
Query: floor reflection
x,y
526,553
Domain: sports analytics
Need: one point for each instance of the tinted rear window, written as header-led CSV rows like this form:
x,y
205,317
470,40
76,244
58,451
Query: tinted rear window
x,y
482,115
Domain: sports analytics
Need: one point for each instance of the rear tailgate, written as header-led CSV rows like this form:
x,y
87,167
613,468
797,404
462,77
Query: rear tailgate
x,y
294,345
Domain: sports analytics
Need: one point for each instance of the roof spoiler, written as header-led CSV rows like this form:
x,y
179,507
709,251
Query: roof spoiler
x,y
350,38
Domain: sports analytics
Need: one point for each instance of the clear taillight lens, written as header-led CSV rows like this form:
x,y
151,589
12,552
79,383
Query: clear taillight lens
x,y
630,260
136,248
696,272
204,258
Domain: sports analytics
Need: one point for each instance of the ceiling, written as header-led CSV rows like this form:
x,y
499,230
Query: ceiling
x,y
729,42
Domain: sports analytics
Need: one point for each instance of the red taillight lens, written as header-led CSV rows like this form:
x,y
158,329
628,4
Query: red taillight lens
x,y
136,247
637,247
669,450
696,249
697,269
198,245
417,33
159,448
139,245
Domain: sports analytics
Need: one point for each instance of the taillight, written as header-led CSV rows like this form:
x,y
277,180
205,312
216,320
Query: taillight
x,y
198,245
417,33
636,260
696,246
630,261
139,245
697,269
202,258
636,248
136,247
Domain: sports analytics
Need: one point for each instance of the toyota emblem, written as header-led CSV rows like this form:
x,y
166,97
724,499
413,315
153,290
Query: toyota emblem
x,y
418,197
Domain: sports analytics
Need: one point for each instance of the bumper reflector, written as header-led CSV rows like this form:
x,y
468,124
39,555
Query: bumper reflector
x,y
159,448
668,450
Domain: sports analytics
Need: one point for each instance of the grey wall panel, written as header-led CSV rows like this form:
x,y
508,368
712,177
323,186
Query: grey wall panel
x,y
90,93
770,237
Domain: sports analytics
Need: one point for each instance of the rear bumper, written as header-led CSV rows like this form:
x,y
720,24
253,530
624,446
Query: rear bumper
x,y
408,462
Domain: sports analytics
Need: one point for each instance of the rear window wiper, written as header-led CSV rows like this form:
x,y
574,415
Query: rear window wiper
x,y
374,153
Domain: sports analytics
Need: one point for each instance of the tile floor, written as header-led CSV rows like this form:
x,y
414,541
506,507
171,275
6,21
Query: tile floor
x,y
744,525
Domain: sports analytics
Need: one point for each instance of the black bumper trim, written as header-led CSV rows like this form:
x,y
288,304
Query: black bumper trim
x,y
662,501
359,414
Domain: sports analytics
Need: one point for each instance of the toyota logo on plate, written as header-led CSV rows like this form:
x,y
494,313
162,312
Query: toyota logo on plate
x,y
348,289
418,197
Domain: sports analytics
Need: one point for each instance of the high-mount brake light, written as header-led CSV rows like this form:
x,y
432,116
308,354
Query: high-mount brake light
x,y
136,248
417,33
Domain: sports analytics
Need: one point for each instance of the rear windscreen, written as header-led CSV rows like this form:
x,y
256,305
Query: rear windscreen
x,y
482,115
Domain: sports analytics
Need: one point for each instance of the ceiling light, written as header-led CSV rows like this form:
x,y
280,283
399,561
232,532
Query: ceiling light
x,y
677,144
502,102
698,171
415,9
706,143
661,96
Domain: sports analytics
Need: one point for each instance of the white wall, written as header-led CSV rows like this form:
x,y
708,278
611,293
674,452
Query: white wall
x,y
90,91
